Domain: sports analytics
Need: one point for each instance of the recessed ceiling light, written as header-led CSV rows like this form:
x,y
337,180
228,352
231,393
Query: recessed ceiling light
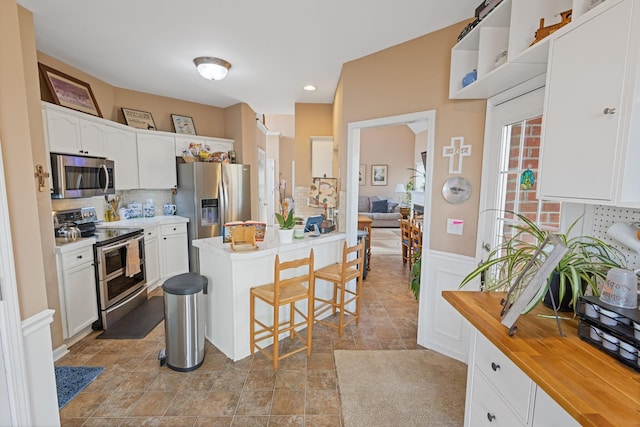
x,y
309,88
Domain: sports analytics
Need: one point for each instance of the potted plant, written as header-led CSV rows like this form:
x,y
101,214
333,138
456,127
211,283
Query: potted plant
x,y
585,263
286,226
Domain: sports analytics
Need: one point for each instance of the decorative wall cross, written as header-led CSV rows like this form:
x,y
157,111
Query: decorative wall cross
x,y
458,149
42,177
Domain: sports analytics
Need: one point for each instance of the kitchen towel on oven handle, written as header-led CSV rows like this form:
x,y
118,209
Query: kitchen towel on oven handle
x,y
133,259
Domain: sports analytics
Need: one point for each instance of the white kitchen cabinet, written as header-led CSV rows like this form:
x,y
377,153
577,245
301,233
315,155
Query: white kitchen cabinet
x,y
174,250
215,144
151,256
156,161
322,156
500,394
77,288
92,138
121,147
67,133
591,135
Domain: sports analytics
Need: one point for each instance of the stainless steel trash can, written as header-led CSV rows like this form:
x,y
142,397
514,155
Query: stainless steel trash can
x,y
184,320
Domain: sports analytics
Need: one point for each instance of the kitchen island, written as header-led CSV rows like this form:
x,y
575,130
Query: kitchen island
x,y
232,274
538,378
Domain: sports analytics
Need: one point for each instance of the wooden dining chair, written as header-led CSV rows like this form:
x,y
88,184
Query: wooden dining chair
x,y
340,275
284,291
405,237
416,238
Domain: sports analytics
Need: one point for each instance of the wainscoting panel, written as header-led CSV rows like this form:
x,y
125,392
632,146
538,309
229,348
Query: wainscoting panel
x,y
440,326
39,366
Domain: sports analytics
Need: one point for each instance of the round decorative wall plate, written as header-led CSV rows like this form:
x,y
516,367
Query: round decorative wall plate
x,y
456,190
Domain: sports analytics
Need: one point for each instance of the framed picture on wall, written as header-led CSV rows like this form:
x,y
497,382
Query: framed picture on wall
x,y
362,175
138,119
69,91
378,174
183,124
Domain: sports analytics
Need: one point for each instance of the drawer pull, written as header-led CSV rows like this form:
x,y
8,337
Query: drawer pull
x,y
79,257
490,417
609,110
495,366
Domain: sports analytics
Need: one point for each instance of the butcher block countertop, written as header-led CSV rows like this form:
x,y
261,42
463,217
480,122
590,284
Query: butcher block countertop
x,y
593,387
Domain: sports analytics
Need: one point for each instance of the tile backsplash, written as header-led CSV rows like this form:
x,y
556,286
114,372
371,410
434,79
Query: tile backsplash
x,y
159,197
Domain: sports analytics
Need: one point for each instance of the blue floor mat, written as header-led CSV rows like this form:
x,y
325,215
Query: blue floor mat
x,y
71,380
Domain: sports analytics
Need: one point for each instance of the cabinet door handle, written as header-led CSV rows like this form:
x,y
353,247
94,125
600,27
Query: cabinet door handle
x,y
490,417
495,366
79,257
609,110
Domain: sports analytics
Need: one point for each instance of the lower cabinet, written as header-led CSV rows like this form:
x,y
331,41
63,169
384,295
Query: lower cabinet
x,y
500,394
77,289
151,256
174,250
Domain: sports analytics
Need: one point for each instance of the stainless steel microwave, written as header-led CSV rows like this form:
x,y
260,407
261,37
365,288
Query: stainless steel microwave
x,y
80,176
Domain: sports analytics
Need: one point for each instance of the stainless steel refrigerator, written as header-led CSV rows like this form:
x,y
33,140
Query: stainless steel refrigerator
x,y
210,195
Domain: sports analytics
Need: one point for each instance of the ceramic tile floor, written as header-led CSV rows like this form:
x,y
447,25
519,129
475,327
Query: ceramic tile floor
x,y
134,390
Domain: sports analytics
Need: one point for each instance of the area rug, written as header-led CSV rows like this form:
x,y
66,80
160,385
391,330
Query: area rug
x,y
137,323
400,388
386,241
71,380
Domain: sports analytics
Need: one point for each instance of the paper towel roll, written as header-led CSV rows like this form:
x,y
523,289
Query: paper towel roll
x,y
625,234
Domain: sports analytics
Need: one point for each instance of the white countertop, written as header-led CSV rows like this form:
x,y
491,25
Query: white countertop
x,y
270,245
144,222
63,246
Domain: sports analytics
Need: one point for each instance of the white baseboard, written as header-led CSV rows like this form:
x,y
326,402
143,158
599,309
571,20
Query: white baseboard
x,y
60,352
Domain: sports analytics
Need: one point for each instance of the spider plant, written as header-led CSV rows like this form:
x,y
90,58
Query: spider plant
x,y
585,263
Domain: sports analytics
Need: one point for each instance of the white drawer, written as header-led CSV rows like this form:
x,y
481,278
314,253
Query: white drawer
x,y
170,229
505,376
487,407
74,258
150,233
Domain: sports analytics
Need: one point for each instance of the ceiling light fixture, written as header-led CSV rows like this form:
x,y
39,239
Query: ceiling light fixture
x,y
309,88
212,68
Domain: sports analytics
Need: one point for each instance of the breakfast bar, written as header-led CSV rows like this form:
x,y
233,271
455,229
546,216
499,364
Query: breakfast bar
x,y
232,274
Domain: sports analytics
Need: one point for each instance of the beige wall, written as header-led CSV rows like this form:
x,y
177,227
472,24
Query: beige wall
x,y
39,153
208,120
311,120
420,82
285,125
19,162
392,146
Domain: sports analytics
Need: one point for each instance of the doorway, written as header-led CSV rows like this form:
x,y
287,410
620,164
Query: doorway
x,y
426,118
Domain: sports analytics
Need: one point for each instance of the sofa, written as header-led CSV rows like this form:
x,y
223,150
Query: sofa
x,y
383,212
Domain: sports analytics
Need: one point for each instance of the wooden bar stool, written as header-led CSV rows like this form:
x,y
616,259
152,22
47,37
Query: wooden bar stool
x,y
340,274
283,292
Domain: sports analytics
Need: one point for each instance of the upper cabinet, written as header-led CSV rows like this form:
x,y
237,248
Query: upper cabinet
x,y
156,161
70,134
121,147
144,159
322,156
591,132
499,47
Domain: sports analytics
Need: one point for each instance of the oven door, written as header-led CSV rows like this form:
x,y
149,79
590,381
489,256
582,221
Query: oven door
x,y
113,283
